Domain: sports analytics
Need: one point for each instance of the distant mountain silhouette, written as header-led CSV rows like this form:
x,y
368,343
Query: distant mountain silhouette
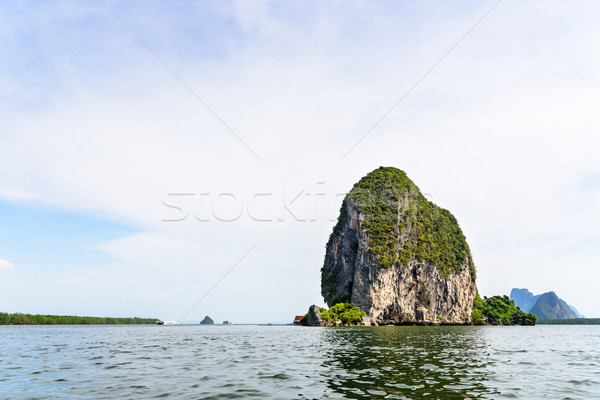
x,y
550,306
576,311
523,299
545,306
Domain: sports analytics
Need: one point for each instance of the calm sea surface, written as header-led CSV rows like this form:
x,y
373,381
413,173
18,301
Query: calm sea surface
x,y
273,362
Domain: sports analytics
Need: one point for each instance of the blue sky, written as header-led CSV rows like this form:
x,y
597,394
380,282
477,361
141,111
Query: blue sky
x,y
101,128
37,237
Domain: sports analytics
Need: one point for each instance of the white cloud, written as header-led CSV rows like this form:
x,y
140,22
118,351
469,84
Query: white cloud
x,y
5,266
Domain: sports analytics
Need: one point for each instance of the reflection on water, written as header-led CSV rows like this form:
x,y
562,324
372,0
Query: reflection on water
x,y
407,362
286,362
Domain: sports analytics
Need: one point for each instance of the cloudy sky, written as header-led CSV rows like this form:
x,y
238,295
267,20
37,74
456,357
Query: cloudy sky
x,y
155,156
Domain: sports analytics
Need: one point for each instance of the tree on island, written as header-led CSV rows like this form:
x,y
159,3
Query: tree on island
x,y
207,321
499,310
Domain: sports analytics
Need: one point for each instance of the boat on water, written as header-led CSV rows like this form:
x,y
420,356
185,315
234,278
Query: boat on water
x,y
167,323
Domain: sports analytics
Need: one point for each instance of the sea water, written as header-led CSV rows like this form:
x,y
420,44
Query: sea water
x,y
291,362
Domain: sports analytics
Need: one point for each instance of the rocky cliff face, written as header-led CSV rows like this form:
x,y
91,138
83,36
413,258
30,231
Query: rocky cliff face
x,y
397,256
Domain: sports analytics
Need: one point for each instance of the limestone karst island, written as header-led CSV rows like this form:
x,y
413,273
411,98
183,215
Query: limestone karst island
x,y
396,258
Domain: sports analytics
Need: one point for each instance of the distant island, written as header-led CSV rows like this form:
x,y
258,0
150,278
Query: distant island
x,y
546,306
396,258
207,321
30,319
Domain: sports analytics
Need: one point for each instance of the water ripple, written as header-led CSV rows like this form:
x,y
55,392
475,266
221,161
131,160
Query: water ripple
x,y
238,362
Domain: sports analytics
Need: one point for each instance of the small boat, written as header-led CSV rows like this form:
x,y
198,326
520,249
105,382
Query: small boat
x,y
167,323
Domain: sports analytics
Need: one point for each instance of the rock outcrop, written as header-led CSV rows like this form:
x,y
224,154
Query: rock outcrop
x,y
314,316
397,256
550,306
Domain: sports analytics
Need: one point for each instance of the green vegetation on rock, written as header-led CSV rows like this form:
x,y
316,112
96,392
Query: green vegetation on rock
x,y
29,319
347,313
402,224
207,321
499,310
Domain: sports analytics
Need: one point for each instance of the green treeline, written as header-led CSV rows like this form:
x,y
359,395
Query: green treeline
x,y
29,319
570,321
499,310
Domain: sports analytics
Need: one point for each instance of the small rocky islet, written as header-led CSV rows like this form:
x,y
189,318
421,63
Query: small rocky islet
x,y
396,258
